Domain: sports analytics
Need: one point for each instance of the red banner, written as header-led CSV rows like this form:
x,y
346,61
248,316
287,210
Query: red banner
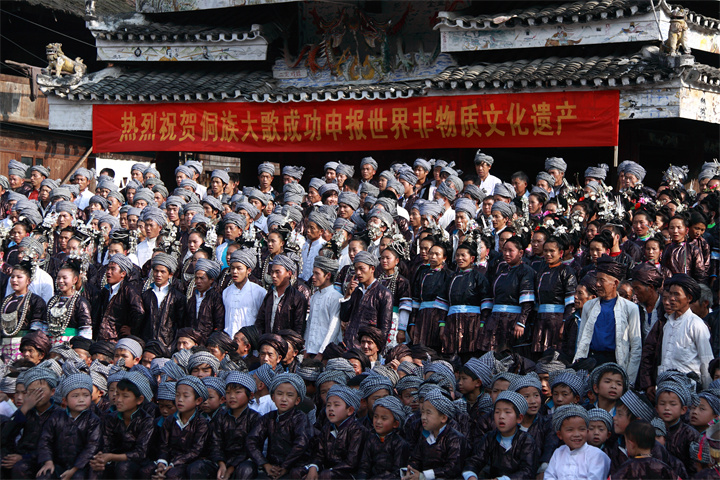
x,y
564,119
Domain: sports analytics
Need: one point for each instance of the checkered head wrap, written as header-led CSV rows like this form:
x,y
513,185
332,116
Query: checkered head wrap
x,y
182,357
681,391
297,383
243,379
142,384
712,400
700,456
410,368
387,372
99,373
409,382
637,406
374,383
173,370
265,374
568,411
394,405
309,374
199,358
342,365
529,380
514,398
572,380
217,384
166,391
336,376
76,381
116,374
600,415
196,384
609,367
481,370
660,428
442,403
350,396
41,373
157,364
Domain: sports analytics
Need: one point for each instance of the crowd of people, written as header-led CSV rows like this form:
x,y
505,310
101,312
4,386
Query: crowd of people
x,y
414,323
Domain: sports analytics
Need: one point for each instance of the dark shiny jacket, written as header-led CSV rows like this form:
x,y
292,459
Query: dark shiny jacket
x,y
677,442
520,462
651,353
647,467
132,440
183,446
69,443
291,311
30,426
685,258
288,437
228,435
37,310
618,457
545,437
445,457
383,459
341,448
555,284
210,318
125,308
373,308
162,321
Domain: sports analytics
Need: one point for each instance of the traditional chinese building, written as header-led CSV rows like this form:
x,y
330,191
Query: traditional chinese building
x,y
307,82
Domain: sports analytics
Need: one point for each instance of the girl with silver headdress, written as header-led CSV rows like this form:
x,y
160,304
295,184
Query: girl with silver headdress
x,y
399,286
21,311
68,312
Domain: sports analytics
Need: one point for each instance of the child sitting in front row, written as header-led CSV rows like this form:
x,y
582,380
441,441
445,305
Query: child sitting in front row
x,y
126,436
183,435
70,437
386,451
576,459
442,453
230,428
340,445
507,450
286,431
640,440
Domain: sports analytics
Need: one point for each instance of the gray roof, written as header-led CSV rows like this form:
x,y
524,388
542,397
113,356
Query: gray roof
x,y
77,7
148,83
574,12
136,28
554,72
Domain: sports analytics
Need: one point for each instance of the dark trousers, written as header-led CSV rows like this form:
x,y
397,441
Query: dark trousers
x,y
602,357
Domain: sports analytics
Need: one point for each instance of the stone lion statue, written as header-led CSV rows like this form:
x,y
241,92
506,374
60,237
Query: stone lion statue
x,y
60,63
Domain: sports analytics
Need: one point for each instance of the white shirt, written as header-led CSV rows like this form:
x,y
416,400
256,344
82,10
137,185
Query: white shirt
x,y
344,257
686,346
276,302
489,184
323,325
309,252
264,405
83,200
241,306
650,318
41,285
220,253
585,463
201,191
160,292
447,218
114,290
144,250
199,297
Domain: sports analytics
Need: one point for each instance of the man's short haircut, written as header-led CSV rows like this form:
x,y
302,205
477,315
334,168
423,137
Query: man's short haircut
x,y
522,176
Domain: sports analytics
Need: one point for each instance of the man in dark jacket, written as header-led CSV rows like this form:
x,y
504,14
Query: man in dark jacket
x,y
284,306
119,310
370,303
164,304
205,311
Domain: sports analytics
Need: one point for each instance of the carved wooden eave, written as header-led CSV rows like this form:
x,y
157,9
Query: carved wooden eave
x,y
134,38
579,23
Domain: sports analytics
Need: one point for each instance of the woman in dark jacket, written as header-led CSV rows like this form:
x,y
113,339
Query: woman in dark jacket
x,y
21,311
68,312
682,256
